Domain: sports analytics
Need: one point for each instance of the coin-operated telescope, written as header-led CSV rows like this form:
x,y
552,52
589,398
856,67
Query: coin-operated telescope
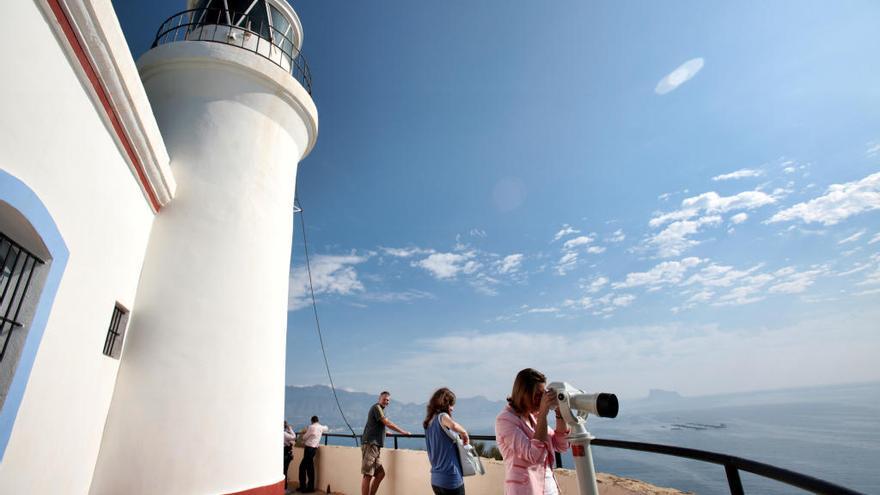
x,y
575,405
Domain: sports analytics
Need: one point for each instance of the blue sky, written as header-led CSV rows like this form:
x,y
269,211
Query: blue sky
x,y
625,195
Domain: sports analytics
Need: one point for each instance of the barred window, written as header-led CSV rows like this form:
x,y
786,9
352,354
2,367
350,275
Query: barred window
x,y
17,266
23,262
116,332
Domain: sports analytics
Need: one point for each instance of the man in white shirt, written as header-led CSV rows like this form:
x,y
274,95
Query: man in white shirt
x,y
311,440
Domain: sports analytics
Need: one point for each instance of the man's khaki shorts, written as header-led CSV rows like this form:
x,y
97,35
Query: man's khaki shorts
x,y
370,461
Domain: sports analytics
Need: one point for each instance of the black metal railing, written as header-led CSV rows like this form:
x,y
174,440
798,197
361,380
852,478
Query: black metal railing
x,y
732,464
17,266
246,31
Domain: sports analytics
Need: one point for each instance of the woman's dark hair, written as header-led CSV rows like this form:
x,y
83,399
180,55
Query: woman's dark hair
x,y
314,419
440,402
524,387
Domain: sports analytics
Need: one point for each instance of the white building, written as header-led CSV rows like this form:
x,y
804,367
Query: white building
x,y
146,216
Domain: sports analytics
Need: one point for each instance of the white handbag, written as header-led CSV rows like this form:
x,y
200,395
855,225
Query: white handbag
x,y
470,461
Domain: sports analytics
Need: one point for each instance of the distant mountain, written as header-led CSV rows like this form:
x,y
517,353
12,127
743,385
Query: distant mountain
x,y
867,394
477,414
662,395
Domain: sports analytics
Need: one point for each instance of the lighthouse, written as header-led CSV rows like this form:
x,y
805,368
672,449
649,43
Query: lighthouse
x,y
198,401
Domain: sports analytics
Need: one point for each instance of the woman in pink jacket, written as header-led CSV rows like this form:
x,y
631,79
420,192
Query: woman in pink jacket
x,y
525,440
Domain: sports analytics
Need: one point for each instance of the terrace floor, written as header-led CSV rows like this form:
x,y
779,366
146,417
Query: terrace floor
x,y
408,473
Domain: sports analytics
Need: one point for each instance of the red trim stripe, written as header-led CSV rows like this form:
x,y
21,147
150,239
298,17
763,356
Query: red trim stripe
x,y
64,21
273,489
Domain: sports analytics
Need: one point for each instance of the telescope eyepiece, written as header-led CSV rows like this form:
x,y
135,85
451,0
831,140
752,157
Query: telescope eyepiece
x,y
607,405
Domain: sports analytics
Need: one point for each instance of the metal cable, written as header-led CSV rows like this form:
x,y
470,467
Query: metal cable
x,y
302,223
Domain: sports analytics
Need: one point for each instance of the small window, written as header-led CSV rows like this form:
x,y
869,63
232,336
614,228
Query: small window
x,y
113,342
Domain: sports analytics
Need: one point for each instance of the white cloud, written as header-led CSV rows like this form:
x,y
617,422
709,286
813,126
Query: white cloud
x,y
448,265
791,166
566,230
331,274
603,307
747,293
739,218
851,252
596,249
596,284
478,233
566,263
713,203
624,300
859,267
675,238
665,273
679,76
739,174
582,303
577,242
510,263
404,296
405,252
630,360
839,202
796,282
616,236
715,275
749,286
853,237
543,310
875,239
873,278
872,149
570,254
484,284
702,296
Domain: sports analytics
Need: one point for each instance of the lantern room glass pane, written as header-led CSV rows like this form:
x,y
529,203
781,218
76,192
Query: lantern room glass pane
x,y
281,31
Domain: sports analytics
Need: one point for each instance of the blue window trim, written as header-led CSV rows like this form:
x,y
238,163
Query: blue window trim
x,y
23,199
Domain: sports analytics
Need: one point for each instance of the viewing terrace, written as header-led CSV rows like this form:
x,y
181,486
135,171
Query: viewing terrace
x,y
408,471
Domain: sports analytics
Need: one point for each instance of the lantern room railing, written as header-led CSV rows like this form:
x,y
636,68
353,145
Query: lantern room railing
x,y
245,31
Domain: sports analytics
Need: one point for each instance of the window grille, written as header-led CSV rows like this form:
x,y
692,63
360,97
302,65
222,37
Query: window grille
x,y
16,272
113,342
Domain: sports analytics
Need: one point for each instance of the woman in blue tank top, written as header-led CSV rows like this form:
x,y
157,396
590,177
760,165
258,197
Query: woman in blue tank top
x,y
446,476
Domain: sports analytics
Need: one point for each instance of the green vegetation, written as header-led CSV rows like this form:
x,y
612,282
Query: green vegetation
x,y
492,453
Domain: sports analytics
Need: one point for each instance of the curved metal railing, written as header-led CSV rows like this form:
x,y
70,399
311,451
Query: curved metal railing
x,y
245,31
732,464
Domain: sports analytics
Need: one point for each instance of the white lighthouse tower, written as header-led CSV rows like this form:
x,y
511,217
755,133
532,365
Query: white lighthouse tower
x,y
199,396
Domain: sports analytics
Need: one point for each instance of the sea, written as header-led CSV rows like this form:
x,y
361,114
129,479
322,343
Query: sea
x,y
831,433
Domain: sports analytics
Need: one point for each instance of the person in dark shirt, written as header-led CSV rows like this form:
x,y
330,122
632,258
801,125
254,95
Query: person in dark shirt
x,y
289,440
372,442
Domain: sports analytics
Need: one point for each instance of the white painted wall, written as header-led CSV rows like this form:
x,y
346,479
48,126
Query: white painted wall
x,y
52,138
199,400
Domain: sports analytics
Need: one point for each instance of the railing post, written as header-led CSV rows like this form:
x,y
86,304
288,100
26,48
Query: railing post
x,y
736,486
395,442
558,459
